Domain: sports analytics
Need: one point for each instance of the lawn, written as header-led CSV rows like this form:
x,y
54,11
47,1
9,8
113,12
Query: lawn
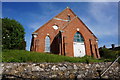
x,y
27,56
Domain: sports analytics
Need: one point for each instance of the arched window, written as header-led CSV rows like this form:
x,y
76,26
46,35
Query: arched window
x,y
78,37
47,44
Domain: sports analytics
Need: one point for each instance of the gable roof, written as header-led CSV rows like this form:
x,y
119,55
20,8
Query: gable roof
x,y
68,23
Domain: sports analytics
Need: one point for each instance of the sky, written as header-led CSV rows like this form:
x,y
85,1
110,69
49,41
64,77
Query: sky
x,y
100,17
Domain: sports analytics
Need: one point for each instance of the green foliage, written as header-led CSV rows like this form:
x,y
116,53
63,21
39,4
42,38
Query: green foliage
x,y
109,55
26,56
12,34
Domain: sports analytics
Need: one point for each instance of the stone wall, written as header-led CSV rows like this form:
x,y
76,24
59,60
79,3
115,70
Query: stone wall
x,y
46,71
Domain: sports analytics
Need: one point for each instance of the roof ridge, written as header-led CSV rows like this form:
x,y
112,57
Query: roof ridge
x,y
66,24
53,17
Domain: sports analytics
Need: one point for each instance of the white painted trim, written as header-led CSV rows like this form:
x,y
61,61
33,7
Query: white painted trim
x,y
78,29
61,19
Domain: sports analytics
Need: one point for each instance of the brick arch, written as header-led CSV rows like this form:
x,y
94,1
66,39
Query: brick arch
x,y
47,35
80,34
83,38
75,33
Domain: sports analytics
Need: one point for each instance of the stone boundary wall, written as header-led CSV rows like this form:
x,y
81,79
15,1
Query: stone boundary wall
x,y
44,71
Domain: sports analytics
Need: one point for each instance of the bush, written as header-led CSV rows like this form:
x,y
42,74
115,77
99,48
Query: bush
x,y
109,55
13,34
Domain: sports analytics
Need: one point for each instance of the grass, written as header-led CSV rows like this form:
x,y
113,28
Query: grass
x,y
27,56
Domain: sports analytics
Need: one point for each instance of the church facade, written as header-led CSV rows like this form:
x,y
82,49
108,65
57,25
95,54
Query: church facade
x,y
67,35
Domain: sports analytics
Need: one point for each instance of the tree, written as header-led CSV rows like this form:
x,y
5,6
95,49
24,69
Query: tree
x,y
12,34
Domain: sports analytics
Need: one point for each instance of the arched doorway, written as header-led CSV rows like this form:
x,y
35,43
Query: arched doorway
x,y
47,44
78,45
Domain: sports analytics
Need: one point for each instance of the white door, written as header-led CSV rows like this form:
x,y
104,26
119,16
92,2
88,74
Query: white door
x,y
78,45
79,49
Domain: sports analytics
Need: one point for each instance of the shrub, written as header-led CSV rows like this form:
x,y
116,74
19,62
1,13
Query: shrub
x,y
109,55
13,34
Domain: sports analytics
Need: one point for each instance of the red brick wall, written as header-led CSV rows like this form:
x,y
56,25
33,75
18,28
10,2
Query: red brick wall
x,y
68,34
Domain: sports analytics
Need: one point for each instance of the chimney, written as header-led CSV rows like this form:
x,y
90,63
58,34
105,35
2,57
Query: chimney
x,y
113,46
104,46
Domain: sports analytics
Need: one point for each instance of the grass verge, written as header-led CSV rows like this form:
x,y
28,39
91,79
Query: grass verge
x,y
27,56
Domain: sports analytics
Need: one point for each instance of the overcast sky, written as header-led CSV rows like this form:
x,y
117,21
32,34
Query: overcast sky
x,y
100,17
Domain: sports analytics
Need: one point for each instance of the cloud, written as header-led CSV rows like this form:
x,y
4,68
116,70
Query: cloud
x,y
39,18
49,6
44,15
103,19
99,11
34,26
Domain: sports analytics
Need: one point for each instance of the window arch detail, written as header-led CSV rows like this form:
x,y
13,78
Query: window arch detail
x,y
47,44
78,37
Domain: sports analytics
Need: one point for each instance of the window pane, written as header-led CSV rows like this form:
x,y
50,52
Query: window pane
x,y
78,37
47,44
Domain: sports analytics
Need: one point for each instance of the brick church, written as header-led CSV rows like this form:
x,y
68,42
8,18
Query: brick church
x,y
65,34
